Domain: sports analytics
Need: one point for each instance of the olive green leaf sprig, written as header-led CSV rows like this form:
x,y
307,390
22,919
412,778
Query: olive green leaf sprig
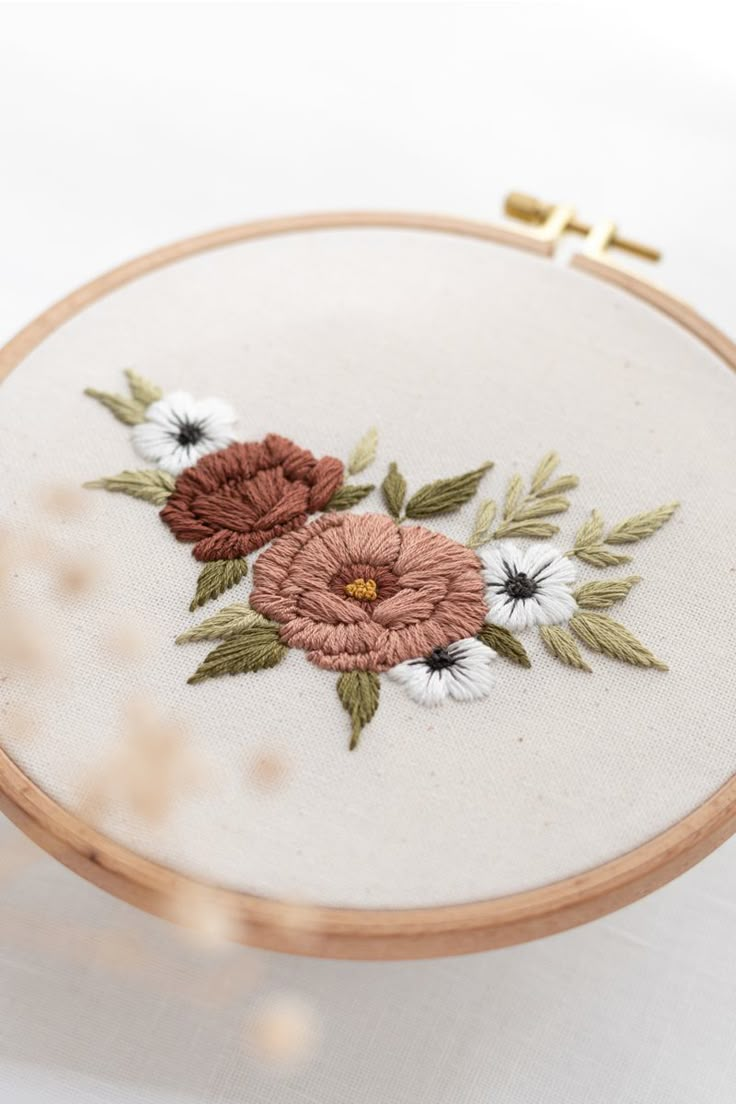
x,y
362,456
483,525
596,630
129,409
439,497
150,485
524,512
591,538
248,643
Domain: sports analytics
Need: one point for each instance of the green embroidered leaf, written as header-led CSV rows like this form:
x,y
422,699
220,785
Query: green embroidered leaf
x,y
348,495
128,411
521,512
505,643
148,484
562,646
359,692
598,556
604,594
513,496
393,489
537,529
542,507
641,525
483,521
227,622
142,390
605,635
560,485
543,471
216,577
255,649
590,532
445,494
364,452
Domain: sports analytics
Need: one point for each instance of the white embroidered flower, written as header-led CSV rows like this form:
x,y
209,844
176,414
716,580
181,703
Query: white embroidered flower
x,y
461,671
527,587
178,430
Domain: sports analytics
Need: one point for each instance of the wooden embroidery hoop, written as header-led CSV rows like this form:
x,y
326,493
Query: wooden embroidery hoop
x,y
369,933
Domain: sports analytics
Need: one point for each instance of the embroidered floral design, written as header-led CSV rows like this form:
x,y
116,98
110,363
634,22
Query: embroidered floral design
x,y
358,592
461,670
527,586
178,430
367,594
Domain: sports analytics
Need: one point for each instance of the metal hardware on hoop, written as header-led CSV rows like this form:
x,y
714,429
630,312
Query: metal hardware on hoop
x,y
552,220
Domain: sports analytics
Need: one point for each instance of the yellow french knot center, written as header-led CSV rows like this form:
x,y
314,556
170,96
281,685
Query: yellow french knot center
x,y
363,589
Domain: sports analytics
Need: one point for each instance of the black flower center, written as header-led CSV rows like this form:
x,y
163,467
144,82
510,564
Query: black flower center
x,y
189,433
439,659
520,585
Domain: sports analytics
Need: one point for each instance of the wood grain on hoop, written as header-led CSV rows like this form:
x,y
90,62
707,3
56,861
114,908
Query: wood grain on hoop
x,y
347,932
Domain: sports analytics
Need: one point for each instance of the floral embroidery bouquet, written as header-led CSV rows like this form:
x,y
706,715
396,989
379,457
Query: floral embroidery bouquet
x,y
368,594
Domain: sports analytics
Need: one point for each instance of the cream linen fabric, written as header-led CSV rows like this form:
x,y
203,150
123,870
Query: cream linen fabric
x,y
458,351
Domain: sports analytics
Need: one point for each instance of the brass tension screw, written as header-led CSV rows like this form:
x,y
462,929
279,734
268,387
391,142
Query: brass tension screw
x,y
600,236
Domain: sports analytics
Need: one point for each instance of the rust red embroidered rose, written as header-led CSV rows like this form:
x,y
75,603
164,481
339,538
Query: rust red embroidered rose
x,y
358,592
236,500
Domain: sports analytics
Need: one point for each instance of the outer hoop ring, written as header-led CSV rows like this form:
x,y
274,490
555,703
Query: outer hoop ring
x,y
366,933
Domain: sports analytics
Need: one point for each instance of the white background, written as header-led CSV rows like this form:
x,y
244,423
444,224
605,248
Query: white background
x,y
124,127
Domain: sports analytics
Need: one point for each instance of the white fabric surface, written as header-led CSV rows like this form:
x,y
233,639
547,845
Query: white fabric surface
x,y
633,1008
131,128
458,351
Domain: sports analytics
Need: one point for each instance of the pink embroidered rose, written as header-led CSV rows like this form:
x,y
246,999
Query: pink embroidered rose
x,y
359,592
238,499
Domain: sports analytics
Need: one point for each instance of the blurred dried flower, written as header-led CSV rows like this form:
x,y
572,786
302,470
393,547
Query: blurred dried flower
x,y
300,926
127,642
203,916
149,771
268,771
63,500
284,1030
76,577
